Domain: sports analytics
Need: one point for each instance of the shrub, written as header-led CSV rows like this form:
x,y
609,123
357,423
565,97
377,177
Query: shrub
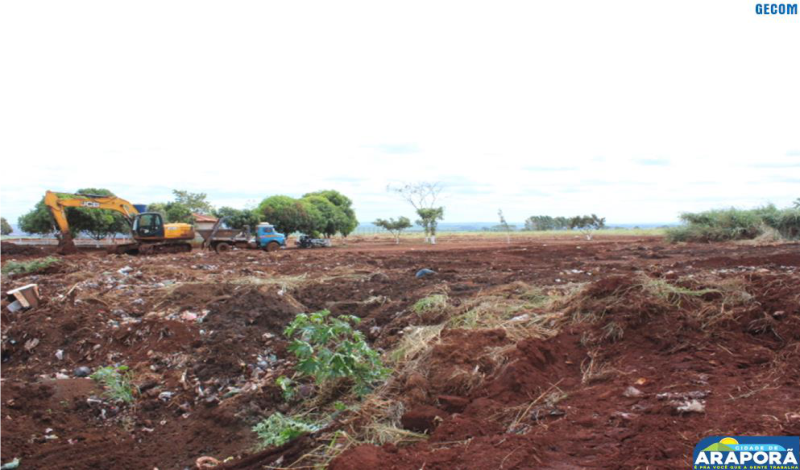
x,y
116,381
735,224
27,267
279,429
329,348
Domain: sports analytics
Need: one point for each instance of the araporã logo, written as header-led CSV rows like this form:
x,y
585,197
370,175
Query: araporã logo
x,y
747,453
776,8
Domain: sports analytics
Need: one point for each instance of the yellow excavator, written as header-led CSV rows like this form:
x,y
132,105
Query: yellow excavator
x,y
149,231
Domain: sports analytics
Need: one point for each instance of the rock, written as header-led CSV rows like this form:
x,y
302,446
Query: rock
x,y
425,272
423,419
379,277
632,392
82,371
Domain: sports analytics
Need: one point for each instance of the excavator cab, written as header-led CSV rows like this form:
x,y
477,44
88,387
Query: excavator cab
x,y
148,225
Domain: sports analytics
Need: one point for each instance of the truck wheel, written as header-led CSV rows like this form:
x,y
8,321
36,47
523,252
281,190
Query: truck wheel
x,y
222,247
273,246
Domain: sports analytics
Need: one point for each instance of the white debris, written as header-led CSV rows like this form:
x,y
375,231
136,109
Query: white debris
x,y
60,354
632,392
691,406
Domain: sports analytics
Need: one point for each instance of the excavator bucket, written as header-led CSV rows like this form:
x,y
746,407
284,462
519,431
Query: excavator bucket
x,y
66,246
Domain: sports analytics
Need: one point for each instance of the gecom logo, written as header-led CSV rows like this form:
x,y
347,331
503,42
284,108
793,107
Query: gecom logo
x,y
776,8
747,452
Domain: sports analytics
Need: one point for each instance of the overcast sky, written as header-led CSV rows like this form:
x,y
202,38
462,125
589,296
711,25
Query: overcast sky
x,y
633,110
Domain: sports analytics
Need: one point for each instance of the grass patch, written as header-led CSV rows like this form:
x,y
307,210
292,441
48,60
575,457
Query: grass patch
x,y
117,382
13,268
432,303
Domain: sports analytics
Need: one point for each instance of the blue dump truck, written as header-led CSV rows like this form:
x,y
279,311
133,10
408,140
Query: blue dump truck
x,y
222,239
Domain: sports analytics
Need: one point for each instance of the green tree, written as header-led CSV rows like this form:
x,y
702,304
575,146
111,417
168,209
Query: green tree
x,y
238,218
5,227
38,220
395,227
172,212
346,222
179,213
285,213
195,202
587,223
423,196
429,221
331,217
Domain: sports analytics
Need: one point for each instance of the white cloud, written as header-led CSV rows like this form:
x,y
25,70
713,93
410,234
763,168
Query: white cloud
x,y
634,110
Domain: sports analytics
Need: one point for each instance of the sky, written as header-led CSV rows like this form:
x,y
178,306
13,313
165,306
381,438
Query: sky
x,y
636,111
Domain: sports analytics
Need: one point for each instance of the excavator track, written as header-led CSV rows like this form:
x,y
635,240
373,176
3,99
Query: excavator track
x,y
157,248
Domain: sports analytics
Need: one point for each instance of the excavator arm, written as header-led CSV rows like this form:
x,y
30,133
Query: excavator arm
x,y
58,202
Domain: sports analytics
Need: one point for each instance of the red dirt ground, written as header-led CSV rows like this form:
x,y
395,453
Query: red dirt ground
x,y
204,384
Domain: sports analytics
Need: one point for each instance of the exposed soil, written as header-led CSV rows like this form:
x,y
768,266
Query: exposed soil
x,y
634,331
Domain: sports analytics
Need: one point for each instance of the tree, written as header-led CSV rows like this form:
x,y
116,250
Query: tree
x,y
395,227
331,217
505,225
5,227
587,223
285,213
238,218
195,202
797,203
423,196
345,221
429,221
38,220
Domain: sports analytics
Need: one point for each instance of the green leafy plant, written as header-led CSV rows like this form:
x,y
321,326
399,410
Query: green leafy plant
x,y
287,386
329,348
28,267
117,382
279,429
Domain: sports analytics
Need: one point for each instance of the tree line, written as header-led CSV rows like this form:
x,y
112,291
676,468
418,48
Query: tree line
x,y
326,212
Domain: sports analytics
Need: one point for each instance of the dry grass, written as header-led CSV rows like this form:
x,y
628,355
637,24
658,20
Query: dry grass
x,y
592,370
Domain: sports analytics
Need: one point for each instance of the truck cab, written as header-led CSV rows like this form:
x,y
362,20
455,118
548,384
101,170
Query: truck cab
x,y
268,239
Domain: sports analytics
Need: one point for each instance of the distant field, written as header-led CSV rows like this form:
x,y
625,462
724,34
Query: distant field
x,y
653,232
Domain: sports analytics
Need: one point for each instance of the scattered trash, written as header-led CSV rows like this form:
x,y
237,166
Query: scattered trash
x,y
31,343
691,406
425,272
683,395
125,270
60,354
11,465
632,392
82,371
206,462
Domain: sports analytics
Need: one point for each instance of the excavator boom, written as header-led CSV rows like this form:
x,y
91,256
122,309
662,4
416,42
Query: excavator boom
x,y
58,202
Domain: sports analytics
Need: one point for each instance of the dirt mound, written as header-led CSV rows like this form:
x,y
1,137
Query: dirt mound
x,y
8,248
